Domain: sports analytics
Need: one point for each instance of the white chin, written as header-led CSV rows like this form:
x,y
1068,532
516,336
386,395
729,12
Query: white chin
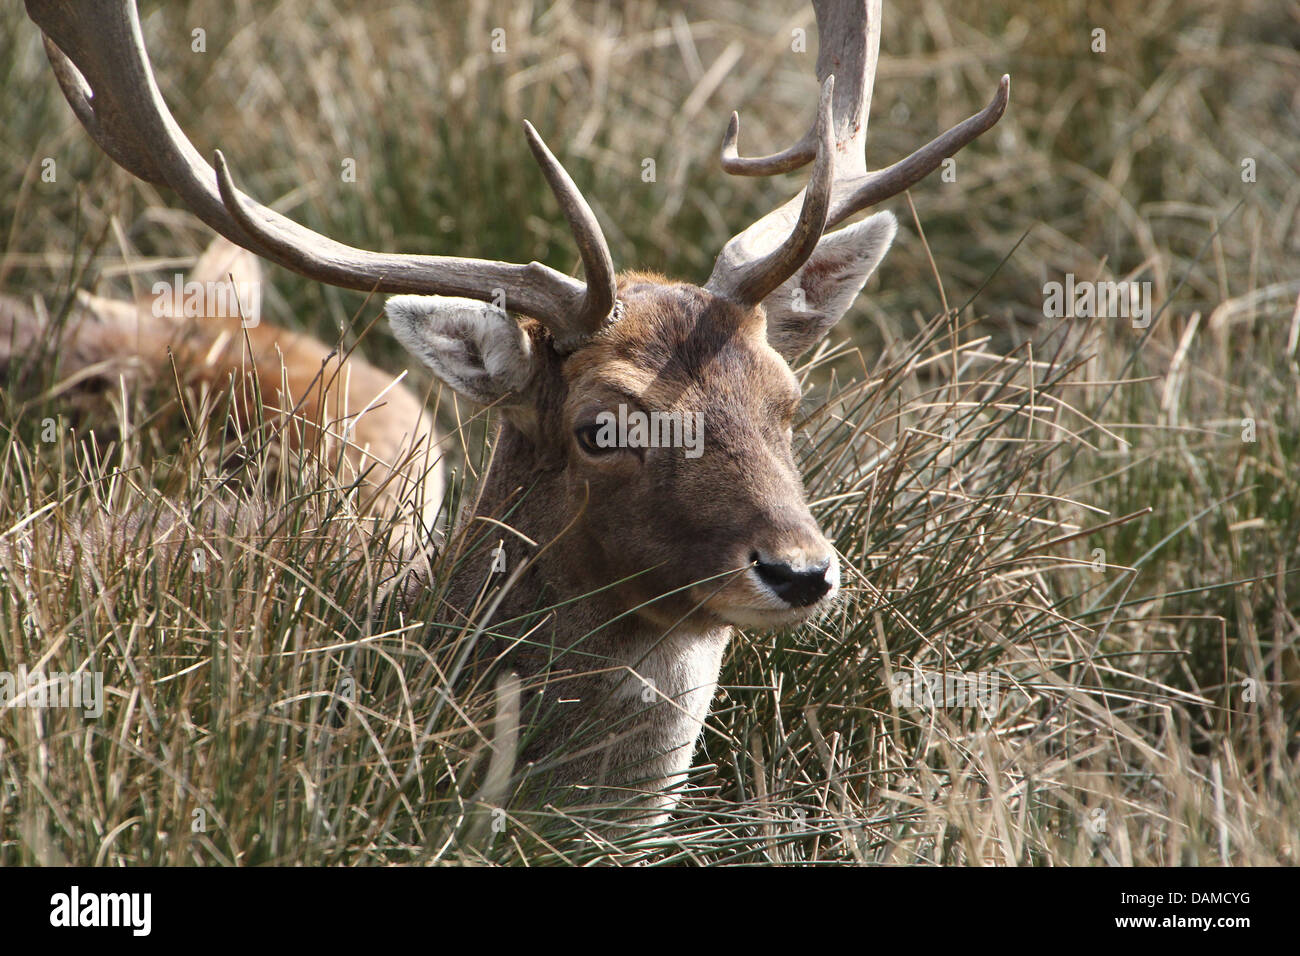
x,y
768,617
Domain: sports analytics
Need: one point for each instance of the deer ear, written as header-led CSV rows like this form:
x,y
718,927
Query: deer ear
x,y
803,308
474,347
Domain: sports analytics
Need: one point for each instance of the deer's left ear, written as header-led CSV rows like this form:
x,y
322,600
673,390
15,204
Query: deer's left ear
x,y
475,348
806,305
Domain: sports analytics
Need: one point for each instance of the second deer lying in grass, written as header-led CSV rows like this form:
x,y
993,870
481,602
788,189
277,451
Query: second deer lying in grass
x,y
365,427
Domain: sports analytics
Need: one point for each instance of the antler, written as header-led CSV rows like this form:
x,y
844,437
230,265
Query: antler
x,y
750,282
97,50
849,32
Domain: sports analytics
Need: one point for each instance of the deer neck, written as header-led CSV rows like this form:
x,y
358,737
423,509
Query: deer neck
x,y
624,698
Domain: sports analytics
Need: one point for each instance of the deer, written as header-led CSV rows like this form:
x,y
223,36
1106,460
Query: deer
x,y
343,410
645,560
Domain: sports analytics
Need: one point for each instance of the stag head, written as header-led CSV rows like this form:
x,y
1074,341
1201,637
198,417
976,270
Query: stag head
x,y
717,522
726,534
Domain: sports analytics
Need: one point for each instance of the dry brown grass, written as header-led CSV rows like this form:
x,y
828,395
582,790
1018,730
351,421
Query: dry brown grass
x,y
971,505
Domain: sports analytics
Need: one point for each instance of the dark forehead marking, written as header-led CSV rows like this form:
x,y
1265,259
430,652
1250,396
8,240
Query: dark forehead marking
x,y
695,326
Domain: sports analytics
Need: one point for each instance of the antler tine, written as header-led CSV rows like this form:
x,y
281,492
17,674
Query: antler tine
x,y
751,283
849,37
866,190
597,305
98,54
787,160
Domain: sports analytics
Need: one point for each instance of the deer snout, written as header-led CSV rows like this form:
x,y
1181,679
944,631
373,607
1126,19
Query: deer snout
x,y
797,579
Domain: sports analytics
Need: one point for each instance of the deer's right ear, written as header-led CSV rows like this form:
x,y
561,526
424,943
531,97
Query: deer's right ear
x,y
474,347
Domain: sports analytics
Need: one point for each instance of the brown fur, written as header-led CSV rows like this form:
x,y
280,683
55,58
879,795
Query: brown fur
x,y
657,525
619,698
311,393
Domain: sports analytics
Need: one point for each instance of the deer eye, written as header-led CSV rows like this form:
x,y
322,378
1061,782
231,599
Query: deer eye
x,y
586,436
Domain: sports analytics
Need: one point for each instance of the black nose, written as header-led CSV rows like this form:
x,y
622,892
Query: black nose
x,y
796,588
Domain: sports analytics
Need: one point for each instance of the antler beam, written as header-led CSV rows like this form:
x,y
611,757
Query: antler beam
x,y
98,53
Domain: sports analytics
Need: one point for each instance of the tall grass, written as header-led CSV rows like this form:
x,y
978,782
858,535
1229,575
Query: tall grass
x,y
1070,507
